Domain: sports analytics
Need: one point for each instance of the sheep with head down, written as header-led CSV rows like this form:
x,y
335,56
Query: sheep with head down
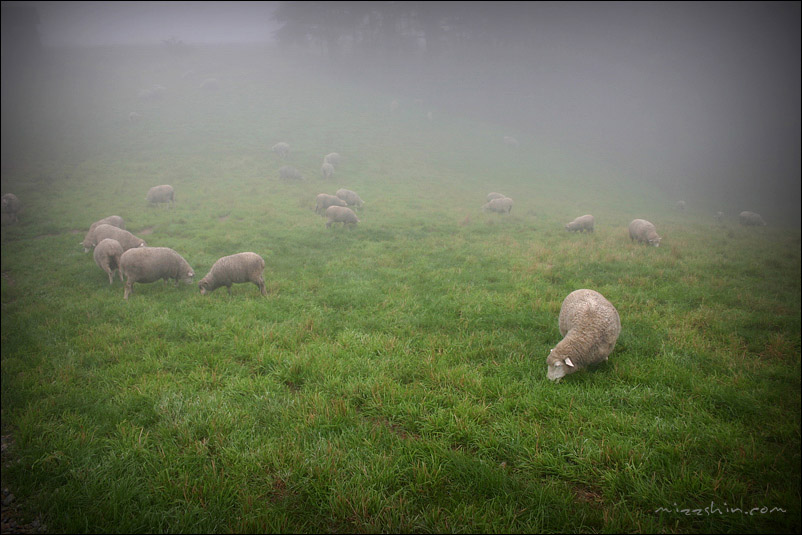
x,y
107,257
333,158
501,205
236,268
590,326
149,264
494,195
327,170
340,214
290,173
751,219
161,194
324,200
644,231
113,220
126,239
350,197
281,148
581,224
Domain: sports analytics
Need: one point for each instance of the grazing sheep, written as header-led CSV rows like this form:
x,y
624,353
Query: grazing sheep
x,y
510,141
393,106
644,232
350,197
502,205
240,267
340,214
290,173
134,116
719,216
493,195
126,239
11,206
751,219
282,149
327,170
681,206
590,326
160,194
324,200
333,158
149,264
107,257
113,220
581,224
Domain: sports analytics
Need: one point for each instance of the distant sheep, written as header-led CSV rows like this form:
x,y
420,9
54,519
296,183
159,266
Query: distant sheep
x,y
333,158
681,206
290,173
510,141
590,326
644,232
327,170
11,206
324,200
155,92
107,257
340,214
719,216
134,116
113,220
751,219
161,194
394,106
210,84
502,205
350,197
149,264
493,195
281,148
104,230
581,224
236,268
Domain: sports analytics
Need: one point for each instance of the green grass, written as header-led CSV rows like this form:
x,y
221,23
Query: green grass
x,y
394,379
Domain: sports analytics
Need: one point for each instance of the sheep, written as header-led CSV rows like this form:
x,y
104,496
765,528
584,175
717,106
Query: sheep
x,y
104,230
134,117
107,257
155,92
502,205
340,214
644,232
11,206
290,173
719,216
113,220
751,219
327,170
510,141
681,206
324,200
149,264
394,106
493,195
240,267
160,194
350,197
581,224
333,158
590,326
282,149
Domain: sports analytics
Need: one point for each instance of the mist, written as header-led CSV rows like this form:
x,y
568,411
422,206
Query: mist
x,y
701,100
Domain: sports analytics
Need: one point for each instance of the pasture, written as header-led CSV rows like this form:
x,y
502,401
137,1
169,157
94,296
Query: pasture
x,y
394,378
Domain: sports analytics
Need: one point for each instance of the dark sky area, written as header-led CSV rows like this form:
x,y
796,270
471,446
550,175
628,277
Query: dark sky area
x,y
705,94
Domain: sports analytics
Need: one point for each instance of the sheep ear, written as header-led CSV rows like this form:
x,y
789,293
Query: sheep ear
x,y
568,361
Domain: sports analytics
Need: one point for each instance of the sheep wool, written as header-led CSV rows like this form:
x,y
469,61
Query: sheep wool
x,y
113,220
324,200
581,224
161,194
11,206
350,197
126,239
289,173
751,219
501,205
327,170
149,264
643,231
340,214
236,268
107,257
333,158
590,326
281,148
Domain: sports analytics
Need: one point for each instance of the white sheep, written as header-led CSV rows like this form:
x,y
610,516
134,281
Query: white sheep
x,y
333,158
236,268
751,219
350,197
494,195
126,239
340,214
581,224
149,264
681,206
290,173
324,200
590,326
161,194
510,141
502,205
644,232
113,220
327,170
107,257
11,206
134,117
281,148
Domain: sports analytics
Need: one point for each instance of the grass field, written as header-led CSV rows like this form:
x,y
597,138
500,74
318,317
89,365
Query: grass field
x,y
394,379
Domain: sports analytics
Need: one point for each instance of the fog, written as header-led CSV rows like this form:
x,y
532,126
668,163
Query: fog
x,y
700,99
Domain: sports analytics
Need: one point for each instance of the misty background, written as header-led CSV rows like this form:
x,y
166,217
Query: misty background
x,y
701,100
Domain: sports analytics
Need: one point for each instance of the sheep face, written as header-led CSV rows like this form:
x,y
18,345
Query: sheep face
x,y
205,286
558,367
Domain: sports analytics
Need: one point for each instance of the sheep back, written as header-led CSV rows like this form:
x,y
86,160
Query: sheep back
x,y
644,232
502,205
126,239
107,257
113,220
581,224
236,268
333,158
324,200
160,194
590,326
11,206
340,214
751,219
289,173
327,170
350,197
281,148
494,195
149,264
